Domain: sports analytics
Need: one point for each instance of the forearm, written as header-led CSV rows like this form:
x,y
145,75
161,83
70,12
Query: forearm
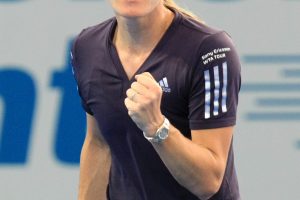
x,y
193,166
198,165
95,163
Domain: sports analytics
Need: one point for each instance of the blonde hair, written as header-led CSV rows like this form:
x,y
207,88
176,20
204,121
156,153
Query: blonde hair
x,y
173,6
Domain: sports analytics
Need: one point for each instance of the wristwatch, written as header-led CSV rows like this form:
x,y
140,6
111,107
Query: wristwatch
x,y
161,134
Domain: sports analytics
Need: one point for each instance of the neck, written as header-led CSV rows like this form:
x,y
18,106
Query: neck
x,y
140,34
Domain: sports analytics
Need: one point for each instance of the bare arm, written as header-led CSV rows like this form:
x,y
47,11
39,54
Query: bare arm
x,y
199,165
95,161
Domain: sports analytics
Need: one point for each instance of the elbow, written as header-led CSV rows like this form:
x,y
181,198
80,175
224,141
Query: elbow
x,y
210,189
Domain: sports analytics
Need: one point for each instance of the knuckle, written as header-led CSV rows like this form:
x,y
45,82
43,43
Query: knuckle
x,y
128,92
138,77
126,102
158,93
135,85
130,113
158,88
152,96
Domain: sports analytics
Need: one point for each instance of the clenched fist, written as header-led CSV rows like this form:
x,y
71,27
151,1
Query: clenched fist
x,y
143,103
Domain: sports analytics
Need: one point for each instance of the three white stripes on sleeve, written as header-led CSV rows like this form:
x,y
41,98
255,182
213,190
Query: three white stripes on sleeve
x,y
216,102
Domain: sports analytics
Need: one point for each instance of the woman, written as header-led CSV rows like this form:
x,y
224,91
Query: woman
x,y
160,90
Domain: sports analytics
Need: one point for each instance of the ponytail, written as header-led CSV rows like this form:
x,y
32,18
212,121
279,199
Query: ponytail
x,y
173,6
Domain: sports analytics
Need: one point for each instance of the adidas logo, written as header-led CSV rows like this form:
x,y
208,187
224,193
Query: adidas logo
x,y
164,85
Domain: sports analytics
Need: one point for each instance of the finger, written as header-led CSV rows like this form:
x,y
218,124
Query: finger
x,y
132,108
139,88
146,81
130,105
135,96
148,74
131,93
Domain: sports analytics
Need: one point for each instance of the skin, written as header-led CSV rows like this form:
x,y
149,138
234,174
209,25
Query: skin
x,y
95,161
133,9
197,164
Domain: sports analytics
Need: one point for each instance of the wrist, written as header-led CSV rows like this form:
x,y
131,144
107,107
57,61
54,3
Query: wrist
x,y
161,133
151,130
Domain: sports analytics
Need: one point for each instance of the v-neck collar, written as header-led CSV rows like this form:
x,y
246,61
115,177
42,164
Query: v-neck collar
x,y
143,68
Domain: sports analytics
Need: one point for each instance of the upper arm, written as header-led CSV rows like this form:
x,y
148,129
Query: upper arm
x,y
217,141
93,132
215,85
214,95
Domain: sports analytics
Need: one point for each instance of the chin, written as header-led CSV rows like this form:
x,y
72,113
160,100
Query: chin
x,y
131,14
133,10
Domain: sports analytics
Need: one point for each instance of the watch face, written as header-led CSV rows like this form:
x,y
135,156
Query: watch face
x,y
163,133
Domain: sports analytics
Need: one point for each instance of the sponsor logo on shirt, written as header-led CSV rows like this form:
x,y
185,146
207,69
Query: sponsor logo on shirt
x,y
164,85
215,54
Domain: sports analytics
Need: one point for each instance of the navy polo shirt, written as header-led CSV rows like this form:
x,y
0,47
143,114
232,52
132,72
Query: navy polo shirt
x,y
199,72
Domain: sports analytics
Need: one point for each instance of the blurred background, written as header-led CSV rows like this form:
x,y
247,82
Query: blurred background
x,y
42,125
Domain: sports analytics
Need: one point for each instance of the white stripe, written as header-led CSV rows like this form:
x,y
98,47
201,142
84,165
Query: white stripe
x,y
161,83
165,82
207,94
224,90
217,90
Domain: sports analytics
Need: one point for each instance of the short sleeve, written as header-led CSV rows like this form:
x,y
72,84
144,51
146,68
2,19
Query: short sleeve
x,y
76,73
215,84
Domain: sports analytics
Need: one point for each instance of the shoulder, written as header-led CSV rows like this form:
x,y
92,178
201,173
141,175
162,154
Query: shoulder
x,y
205,35
199,27
98,28
87,45
204,44
90,35
91,40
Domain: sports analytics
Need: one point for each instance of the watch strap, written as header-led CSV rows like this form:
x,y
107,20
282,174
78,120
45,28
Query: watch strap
x,y
157,138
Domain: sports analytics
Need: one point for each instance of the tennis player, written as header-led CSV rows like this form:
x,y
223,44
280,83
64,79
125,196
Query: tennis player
x,y
160,89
